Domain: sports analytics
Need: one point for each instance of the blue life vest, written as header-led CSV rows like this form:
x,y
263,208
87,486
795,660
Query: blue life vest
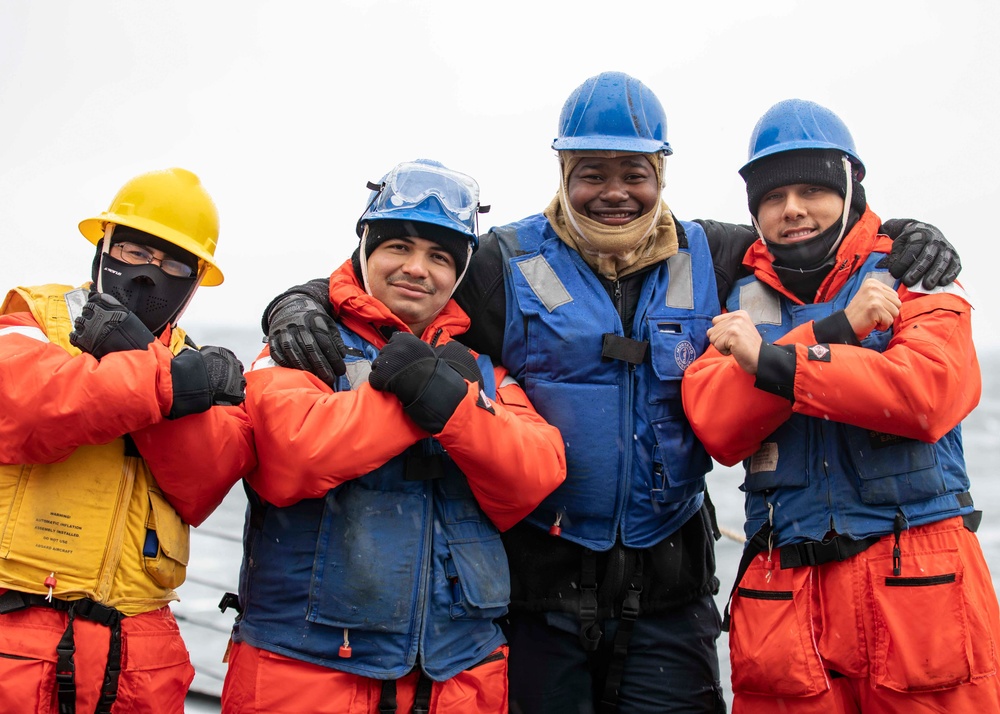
x,y
633,462
402,561
823,476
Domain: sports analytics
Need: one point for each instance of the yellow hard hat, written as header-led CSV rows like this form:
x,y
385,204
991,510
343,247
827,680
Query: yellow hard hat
x,y
170,204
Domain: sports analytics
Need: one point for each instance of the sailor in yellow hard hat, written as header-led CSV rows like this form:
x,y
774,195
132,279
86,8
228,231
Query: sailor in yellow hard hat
x,y
116,435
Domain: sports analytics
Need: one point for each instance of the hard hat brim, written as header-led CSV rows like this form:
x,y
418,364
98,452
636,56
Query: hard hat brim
x,y
606,143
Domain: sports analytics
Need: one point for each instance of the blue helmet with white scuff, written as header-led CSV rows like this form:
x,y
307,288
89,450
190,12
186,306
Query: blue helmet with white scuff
x,y
613,112
795,124
425,191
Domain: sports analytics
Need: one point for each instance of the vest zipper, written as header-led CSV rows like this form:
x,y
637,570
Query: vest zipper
x,y
113,553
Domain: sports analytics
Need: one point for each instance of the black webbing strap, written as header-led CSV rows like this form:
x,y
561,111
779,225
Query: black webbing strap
x,y
387,701
756,544
231,600
422,701
86,609
816,553
590,630
65,669
615,347
972,521
112,619
422,696
630,613
796,555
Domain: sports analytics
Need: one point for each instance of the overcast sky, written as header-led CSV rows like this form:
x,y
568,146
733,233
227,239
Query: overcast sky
x,y
285,109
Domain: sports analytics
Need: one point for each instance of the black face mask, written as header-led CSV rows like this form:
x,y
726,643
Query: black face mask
x,y
155,297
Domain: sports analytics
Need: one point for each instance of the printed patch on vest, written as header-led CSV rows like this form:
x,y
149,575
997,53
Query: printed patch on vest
x,y
765,458
684,354
878,440
484,402
819,353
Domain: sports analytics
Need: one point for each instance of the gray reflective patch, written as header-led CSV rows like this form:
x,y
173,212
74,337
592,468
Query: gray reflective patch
x,y
680,290
882,277
544,282
761,302
75,300
357,373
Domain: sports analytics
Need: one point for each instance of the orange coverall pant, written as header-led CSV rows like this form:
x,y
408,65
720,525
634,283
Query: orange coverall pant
x,y
262,681
156,670
851,636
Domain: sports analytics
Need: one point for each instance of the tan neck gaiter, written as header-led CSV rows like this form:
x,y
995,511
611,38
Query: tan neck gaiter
x,y
612,251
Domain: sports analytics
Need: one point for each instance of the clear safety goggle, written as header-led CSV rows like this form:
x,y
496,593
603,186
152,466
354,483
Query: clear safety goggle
x,y
410,183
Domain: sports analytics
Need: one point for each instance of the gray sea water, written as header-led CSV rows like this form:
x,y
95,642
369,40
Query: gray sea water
x,y
216,549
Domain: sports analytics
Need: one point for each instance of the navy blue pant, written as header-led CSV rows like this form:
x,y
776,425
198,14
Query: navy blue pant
x,y
672,663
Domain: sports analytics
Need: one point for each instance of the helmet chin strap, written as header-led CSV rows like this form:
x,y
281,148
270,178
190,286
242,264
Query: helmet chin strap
x,y
468,259
848,193
202,269
109,231
364,260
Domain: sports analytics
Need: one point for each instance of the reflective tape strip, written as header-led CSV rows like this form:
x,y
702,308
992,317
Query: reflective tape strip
x,y
544,282
507,381
262,363
75,302
680,290
761,302
882,277
951,289
357,373
32,332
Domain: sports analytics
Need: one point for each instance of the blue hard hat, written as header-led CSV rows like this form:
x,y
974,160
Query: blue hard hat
x,y
613,112
799,124
426,191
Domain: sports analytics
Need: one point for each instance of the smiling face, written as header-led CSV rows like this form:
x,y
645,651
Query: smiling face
x,y
613,191
798,212
413,277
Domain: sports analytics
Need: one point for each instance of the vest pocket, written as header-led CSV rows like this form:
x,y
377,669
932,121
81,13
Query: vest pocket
x,y
674,343
167,546
893,470
365,574
771,640
942,651
680,475
479,577
780,462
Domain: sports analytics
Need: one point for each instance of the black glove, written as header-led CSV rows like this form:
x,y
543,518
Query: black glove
x,y
461,360
105,326
428,388
303,336
204,378
920,250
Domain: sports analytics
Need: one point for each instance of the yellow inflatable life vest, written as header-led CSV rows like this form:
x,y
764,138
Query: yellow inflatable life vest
x,y
97,521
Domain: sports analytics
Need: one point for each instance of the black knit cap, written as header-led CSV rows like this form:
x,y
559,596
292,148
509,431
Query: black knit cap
x,y
819,167
380,231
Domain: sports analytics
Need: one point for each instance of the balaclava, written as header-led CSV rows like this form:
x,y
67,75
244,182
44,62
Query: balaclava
x,y
378,232
155,297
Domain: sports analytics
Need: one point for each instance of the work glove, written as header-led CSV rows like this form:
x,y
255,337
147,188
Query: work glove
x,y
429,389
461,360
302,335
105,326
205,378
920,251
